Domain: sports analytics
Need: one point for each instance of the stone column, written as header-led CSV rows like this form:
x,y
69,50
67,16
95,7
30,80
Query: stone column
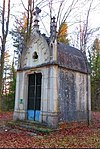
x,y
19,112
53,97
22,97
16,108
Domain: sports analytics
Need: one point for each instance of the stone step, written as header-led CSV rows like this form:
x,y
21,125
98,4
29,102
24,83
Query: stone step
x,y
30,127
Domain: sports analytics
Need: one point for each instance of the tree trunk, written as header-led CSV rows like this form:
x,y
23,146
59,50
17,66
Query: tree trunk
x,y
1,73
5,25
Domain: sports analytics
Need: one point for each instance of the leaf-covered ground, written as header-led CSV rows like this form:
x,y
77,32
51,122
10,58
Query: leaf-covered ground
x,y
81,136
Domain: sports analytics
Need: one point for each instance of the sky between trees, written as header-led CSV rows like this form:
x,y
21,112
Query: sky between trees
x,y
75,18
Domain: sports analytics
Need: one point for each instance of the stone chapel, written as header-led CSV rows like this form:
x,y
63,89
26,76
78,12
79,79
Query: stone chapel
x,y
53,81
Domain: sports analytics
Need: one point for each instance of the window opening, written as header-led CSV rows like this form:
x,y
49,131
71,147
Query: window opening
x,y
35,55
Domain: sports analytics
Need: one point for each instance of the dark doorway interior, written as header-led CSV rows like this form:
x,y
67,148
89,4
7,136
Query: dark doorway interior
x,y
34,96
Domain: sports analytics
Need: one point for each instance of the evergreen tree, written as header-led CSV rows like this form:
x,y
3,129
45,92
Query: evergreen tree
x,y
12,85
95,74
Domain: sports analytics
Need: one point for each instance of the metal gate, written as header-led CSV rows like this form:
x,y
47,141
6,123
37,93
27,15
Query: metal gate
x,y
34,96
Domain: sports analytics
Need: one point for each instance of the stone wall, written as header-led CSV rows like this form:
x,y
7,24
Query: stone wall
x,y
73,96
63,95
49,94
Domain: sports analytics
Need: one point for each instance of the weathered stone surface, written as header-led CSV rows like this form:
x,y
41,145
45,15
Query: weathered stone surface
x,y
72,98
65,84
72,58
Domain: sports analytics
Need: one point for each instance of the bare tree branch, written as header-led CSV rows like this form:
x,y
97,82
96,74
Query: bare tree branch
x,y
70,8
7,23
3,12
60,9
23,5
87,21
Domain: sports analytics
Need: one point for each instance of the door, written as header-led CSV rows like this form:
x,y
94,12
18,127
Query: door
x,y
34,96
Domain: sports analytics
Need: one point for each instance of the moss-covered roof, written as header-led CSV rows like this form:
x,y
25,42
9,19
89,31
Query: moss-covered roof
x,y
72,58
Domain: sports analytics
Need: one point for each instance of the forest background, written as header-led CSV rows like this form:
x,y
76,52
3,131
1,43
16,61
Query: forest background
x,y
77,25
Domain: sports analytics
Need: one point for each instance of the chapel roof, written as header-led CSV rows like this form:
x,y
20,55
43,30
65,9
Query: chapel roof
x,y
68,57
72,58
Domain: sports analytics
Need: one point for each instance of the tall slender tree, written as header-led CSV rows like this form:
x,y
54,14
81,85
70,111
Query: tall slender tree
x,y
23,28
5,27
95,74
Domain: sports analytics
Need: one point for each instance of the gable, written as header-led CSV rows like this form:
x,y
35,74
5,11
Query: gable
x,y
37,51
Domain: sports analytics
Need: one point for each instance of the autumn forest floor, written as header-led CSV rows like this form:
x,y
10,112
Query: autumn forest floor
x,y
77,136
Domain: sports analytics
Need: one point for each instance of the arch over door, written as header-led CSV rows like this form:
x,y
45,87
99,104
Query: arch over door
x,y
34,96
